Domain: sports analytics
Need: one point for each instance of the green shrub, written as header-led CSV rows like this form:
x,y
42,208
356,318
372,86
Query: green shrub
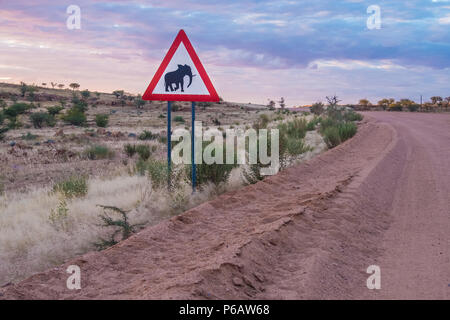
x,y
296,146
121,225
327,123
147,135
79,104
54,110
157,171
313,123
85,94
178,119
352,116
75,117
317,108
294,129
14,123
143,151
335,135
73,187
39,118
29,136
214,173
2,117
130,150
101,120
98,152
331,136
16,109
347,130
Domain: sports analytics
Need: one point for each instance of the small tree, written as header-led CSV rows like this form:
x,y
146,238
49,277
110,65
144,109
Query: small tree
x,y
384,103
139,102
271,105
364,103
23,88
74,86
436,100
282,103
60,85
333,101
118,93
53,84
317,108
85,94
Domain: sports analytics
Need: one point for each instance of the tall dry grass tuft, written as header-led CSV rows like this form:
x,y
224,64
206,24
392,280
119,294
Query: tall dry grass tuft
x,y
30,241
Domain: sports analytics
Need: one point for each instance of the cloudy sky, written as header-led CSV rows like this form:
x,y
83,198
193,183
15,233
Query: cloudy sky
x,y
253,50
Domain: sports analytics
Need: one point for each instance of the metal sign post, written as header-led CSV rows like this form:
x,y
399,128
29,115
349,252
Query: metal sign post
x,y
169,142
194,167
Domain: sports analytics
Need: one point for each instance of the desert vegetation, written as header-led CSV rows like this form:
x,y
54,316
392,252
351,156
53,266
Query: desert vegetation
x,y
82,170
435,104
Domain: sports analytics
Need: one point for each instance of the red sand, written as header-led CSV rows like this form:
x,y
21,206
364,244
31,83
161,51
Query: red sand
x,y
309,232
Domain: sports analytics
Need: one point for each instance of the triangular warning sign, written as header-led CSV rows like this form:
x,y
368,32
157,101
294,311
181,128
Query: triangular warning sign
x,y
181,76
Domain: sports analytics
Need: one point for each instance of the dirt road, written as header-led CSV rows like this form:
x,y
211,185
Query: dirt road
x,y
381,198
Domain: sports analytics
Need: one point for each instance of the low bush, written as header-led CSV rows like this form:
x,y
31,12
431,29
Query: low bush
x,y
317,108
313,123
296,146
38,119
347,130
143,151
2,117
352,116
331,136
121,225
178,119
73,187
16,109
14,123
294,129
158,173
147,135
101,120
210,173
129,149
75,117
335,135
54,110
29,136
98,152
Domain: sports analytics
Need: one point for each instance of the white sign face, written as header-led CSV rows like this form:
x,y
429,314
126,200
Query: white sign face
x,y
177,76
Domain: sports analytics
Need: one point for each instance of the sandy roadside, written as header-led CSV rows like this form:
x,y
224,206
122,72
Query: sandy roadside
x,y
308,232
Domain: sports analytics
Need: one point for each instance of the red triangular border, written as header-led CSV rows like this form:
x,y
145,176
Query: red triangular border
x,y
181,37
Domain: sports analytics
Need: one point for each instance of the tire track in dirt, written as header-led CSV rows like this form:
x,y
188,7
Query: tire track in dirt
x,y
309,232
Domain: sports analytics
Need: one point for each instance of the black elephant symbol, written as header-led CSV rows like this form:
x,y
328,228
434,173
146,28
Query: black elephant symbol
x,y
177,77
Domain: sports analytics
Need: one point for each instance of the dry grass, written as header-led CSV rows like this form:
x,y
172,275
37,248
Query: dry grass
x,y
40,228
